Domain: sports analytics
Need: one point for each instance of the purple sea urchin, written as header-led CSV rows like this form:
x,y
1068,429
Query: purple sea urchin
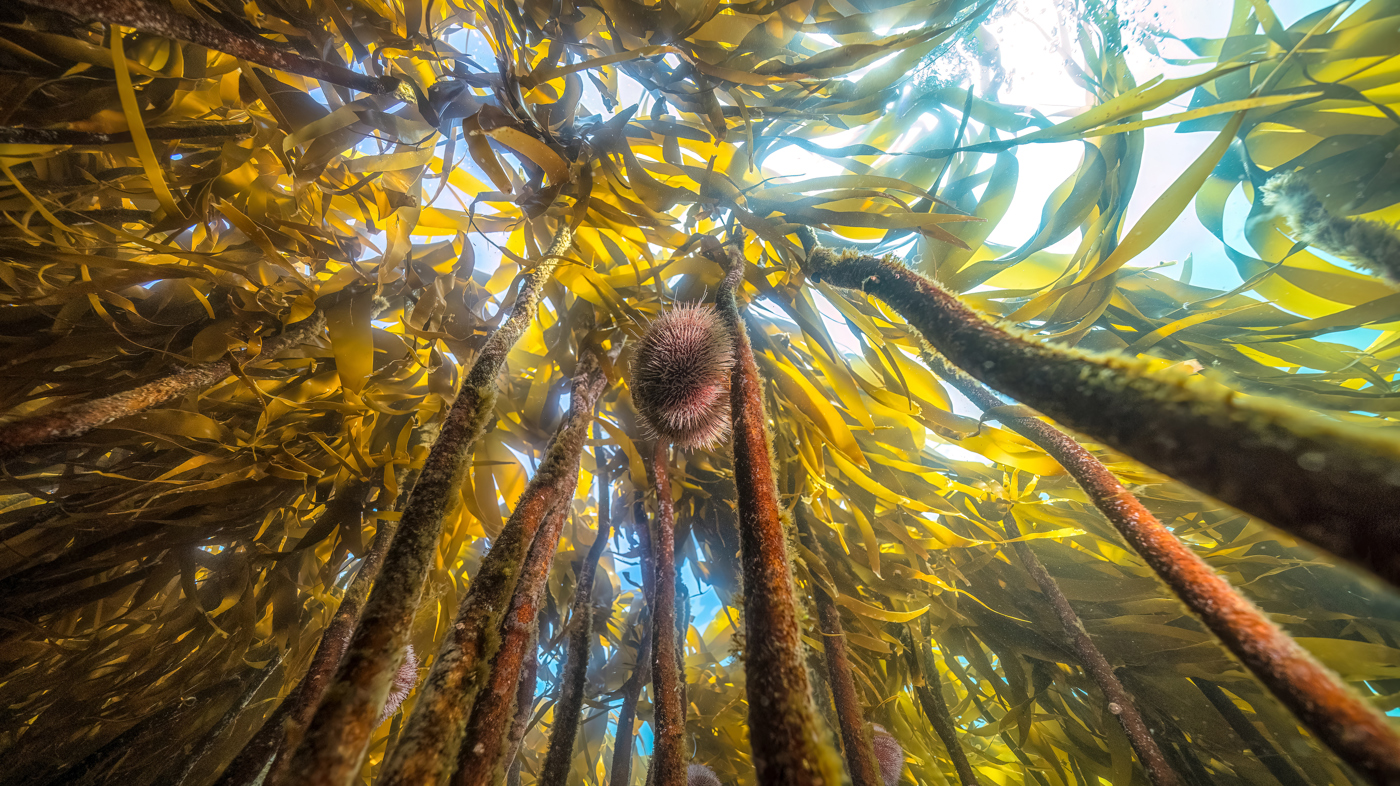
x,y
700,775
889,753
680,378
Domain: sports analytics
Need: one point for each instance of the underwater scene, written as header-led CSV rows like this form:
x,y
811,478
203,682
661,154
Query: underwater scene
x,y
699,392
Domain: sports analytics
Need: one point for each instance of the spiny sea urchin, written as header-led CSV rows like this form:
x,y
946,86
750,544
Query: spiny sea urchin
x,y
680,378
404,680
889,753
700,775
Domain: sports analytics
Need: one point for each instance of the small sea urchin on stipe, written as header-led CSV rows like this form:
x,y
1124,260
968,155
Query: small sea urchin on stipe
x,y
700,775
404,681
680,378
889,753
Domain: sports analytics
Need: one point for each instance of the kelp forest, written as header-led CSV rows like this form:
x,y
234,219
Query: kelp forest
x,y
699,392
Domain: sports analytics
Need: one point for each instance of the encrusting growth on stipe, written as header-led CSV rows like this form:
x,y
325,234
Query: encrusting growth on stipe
x,y
1332,484
24,435
337,739
432,737
1370,244
681,390
1340,718
568,709
1120,703
668,749
163,20
862,762
790,748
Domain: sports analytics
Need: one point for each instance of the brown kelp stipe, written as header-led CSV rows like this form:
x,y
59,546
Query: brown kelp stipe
x,y
668,750
856,739
482,759
620,774
524,704
283,728
1354,730
338,736
569,708
1120,704
1263,750
789,748
22,436
935,708
163,20
1334,485
432,738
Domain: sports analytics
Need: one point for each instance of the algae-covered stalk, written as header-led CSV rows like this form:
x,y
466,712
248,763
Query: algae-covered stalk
x,y
1331,484
680,387
930,695
336,741
432,737
789,747
22,436
1120,704
483,758
555,771
861,761
1354,730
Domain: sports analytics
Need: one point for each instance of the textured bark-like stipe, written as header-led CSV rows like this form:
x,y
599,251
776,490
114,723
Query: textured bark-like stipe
x,y
150,17
524,704
1370,244
338,736
11,135
668,749
1277,764
700,775
789,748
889,753
284,726
568,709
432,737
681,374
24,435
620,774
1120,703
1348,725
482,758
861,762
930,696
1334,485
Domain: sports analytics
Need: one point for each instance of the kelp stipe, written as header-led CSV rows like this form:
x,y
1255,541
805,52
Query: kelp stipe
x,y
1354,730
335,742
1331,484
1370,244
789,748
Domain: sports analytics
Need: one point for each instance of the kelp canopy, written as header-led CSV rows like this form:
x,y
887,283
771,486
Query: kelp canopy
x,y
252,253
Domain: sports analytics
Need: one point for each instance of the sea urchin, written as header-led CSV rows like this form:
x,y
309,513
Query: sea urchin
x,y
889,753
680,378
